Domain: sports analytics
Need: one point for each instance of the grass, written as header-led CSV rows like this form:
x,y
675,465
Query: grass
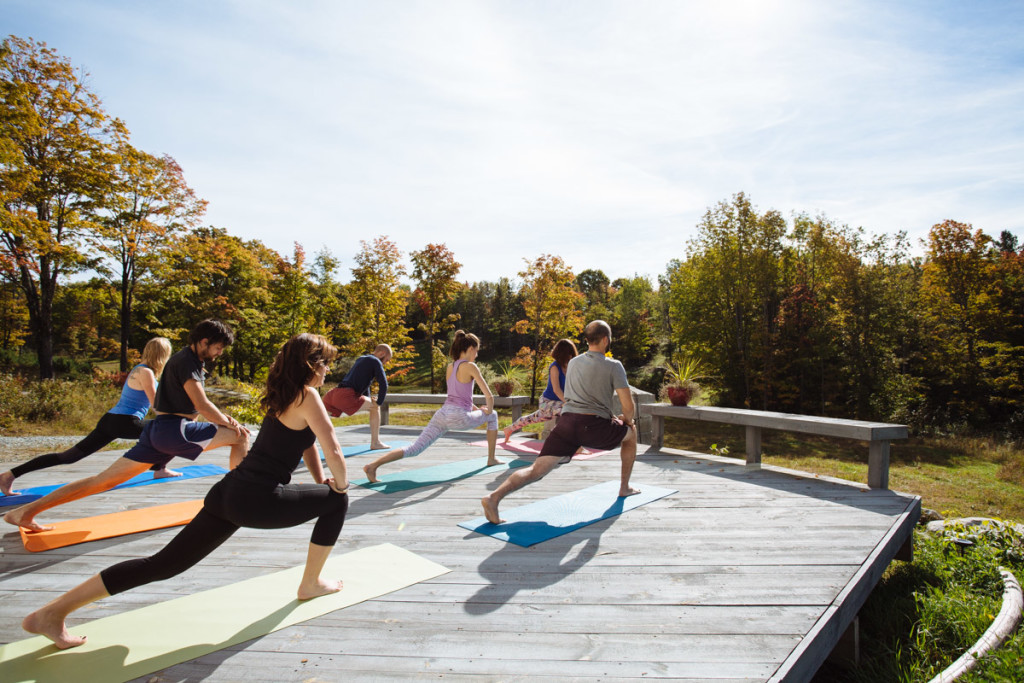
x,y
958,476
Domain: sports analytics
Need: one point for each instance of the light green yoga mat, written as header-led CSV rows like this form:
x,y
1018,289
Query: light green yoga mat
x,y
438,474
139,642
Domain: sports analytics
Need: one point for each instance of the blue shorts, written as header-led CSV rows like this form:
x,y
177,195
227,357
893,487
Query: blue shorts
x,y
171,436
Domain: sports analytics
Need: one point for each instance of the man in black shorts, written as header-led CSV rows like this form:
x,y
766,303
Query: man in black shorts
x,y
180,399
591,381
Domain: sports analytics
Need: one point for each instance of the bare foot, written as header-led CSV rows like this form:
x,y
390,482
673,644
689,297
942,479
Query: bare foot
x,y
371,473
6,482
628,491
508,433
43,624
165,473
378,446
14,518
492,461
491,511
321,587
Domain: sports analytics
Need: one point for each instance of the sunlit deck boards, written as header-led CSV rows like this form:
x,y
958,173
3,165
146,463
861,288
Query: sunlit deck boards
x,y
744,575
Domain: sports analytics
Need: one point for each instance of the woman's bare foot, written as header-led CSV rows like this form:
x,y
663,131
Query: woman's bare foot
x,y
371,472
165,473
321,587
44,624
6,482
19,520
491,511
628,491
508,433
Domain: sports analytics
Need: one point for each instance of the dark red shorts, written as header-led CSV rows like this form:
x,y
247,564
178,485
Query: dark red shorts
x,y
342,400
590,431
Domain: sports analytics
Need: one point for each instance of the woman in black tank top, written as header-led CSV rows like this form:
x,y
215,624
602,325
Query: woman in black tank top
x,y
257,494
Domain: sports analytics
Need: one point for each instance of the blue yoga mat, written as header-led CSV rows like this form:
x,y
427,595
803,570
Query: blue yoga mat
x,y
36,492
438,474
349,451
545,519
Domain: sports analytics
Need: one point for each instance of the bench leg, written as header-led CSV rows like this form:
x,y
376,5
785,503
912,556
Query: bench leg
x,y
878,465
657,431
754,446
385,414
517,412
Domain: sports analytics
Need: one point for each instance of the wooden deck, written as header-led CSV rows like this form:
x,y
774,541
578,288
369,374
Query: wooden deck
x,y
745,574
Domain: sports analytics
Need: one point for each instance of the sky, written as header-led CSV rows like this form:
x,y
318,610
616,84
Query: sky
x,y
599,131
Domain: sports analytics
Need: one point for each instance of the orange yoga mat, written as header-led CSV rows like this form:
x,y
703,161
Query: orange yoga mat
x,y
108,526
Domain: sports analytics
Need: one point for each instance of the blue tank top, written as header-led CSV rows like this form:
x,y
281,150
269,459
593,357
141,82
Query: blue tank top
x,y
133,401
549,393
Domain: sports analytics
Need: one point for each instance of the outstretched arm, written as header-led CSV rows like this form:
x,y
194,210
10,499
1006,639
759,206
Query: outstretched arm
x,y
205,407
313,410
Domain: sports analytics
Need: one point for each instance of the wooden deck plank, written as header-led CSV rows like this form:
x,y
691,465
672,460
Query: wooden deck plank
x,y
743,571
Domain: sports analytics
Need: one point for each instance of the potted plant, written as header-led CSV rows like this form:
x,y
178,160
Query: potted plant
x,y
682,373
506,379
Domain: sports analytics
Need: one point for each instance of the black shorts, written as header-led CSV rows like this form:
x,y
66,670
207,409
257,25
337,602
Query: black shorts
x,y
589,431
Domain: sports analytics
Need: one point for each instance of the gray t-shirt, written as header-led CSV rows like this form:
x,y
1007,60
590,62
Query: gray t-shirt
x,y
590,383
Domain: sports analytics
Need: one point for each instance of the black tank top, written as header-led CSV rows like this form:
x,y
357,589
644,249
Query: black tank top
x,y
275,455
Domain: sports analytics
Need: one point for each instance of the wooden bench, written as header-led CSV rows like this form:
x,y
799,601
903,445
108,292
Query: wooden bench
x,y
516,403
878,434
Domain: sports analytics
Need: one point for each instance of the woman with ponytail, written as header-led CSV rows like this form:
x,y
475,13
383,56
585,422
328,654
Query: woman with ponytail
x,y
458,411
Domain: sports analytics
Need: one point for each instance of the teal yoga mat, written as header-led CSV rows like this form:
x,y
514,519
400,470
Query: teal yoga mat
x,y
438,474
190,472
546,519
349,451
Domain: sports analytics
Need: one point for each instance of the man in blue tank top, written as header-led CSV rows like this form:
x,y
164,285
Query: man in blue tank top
x,y
591,381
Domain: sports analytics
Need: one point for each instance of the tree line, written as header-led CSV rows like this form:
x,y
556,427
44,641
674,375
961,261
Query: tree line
x,y
101,247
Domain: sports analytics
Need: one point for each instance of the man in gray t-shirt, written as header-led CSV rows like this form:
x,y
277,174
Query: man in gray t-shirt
x,y
592,380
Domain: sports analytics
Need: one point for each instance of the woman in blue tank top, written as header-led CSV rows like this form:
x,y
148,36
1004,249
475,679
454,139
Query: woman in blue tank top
x,y
553,398
123,421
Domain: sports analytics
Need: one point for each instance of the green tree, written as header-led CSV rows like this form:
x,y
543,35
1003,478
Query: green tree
x,y
56,166
552,306
378,302
435,271
633,320
149,204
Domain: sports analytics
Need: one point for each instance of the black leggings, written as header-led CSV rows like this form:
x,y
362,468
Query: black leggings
x,y
109,427
228,506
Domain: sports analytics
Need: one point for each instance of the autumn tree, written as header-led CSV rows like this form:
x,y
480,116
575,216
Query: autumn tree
x,y
435,271
377,298
148,205
552,306
55,167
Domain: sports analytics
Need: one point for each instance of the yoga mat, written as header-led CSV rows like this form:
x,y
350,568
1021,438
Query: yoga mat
x,y
190,472
349,451
545,519
438,474
146,640
533,446
108,526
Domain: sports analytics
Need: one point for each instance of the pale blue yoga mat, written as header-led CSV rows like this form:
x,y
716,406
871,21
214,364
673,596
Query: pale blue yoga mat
x,y
190,472
545,519
438,474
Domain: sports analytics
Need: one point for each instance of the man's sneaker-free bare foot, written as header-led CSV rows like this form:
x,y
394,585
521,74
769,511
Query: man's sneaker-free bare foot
x,y
491,511
6,482
628,491
14,518
165,473
40,623
371,473
378,446
321,587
